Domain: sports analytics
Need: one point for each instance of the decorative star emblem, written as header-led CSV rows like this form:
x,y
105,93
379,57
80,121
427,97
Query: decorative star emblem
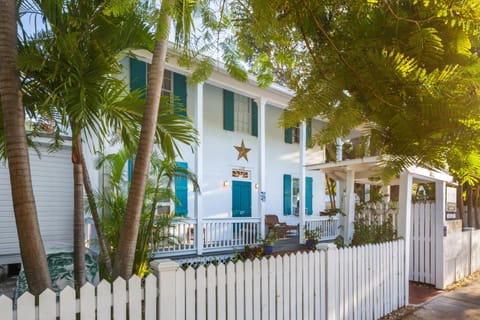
x,y
242,151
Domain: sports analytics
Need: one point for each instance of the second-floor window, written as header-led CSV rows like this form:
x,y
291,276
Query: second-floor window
x,y
240,113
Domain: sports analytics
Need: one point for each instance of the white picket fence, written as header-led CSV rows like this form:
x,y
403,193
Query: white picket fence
x,y
365,282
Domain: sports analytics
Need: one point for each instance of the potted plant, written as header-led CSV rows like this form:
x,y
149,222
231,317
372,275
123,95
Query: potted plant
x,y
270,238
312,236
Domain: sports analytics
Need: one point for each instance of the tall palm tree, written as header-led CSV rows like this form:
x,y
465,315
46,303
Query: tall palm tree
x,y
31,245
128,237
79,53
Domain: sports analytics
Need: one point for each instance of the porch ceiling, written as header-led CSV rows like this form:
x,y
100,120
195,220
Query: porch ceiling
x,y
367,171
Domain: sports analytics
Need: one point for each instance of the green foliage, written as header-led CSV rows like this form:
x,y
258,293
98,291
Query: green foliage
x,y
251,253
408,71
154,229
373,230
271,237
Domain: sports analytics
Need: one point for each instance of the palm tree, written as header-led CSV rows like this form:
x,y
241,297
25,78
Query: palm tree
x,y
79,54
31,245
128,237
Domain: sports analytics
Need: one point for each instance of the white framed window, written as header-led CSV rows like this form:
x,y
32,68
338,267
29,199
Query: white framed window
x,y
243,114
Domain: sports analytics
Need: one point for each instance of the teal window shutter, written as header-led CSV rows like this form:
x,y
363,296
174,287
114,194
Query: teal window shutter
x,y
288,135
309,195
254,118
228,110
138,75
287,194
180,92
309,133
130,169
181,192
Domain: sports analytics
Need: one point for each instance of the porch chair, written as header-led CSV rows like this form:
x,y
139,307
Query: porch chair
x,y
271,221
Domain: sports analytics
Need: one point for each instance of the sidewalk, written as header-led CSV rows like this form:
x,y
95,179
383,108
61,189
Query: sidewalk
x,y
460,303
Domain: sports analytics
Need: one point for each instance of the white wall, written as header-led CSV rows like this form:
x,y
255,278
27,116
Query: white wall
x,y
52,181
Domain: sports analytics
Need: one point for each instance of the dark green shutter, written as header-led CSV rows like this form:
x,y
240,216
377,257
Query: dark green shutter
x,y
180,92
138,75
228,110
309,195
309,133
287,194
288,135
181,192
254,119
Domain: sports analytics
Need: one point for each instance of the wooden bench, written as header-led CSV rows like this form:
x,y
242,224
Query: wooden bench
x,y
271,221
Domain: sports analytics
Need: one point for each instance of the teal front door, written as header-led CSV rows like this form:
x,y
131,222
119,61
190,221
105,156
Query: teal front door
x,y
241,199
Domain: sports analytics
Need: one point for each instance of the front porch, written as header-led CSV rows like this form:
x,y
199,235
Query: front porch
x,y
220,236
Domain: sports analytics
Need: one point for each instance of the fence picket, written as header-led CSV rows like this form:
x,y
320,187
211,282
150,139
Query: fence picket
x,y
201,293
316,285
104,300
240,289
248,289
47,305
271,289
26,306
293,287
221,298
150,297
211,292
87,302
264,290
342,282
180,295
257,302
279,287
134,297
286,286
299,282
6,305
230,291
190,288
68,304
323,287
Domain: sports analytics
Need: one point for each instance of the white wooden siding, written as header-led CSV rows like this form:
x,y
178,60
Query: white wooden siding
x,y
53,187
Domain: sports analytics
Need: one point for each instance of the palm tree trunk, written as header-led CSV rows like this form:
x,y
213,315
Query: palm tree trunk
x,y
30,240
128,236
96,218
78,214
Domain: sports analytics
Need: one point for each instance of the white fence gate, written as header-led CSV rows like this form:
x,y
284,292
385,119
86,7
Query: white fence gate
x,y
422,242
364,282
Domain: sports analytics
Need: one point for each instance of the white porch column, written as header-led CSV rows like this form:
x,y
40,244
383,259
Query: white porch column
x,y
349,207
440,203
339,184
404,221
303,148
199,165
262,166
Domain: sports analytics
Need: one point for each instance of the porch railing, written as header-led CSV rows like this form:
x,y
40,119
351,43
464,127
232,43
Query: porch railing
x,y
178,238
181,237
221,234
330,226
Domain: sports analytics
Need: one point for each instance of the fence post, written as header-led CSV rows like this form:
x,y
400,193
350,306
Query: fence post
x,y
404,222
331,254
440,194
165,271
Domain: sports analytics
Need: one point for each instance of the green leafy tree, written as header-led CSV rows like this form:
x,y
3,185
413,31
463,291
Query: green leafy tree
x,y
409,70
